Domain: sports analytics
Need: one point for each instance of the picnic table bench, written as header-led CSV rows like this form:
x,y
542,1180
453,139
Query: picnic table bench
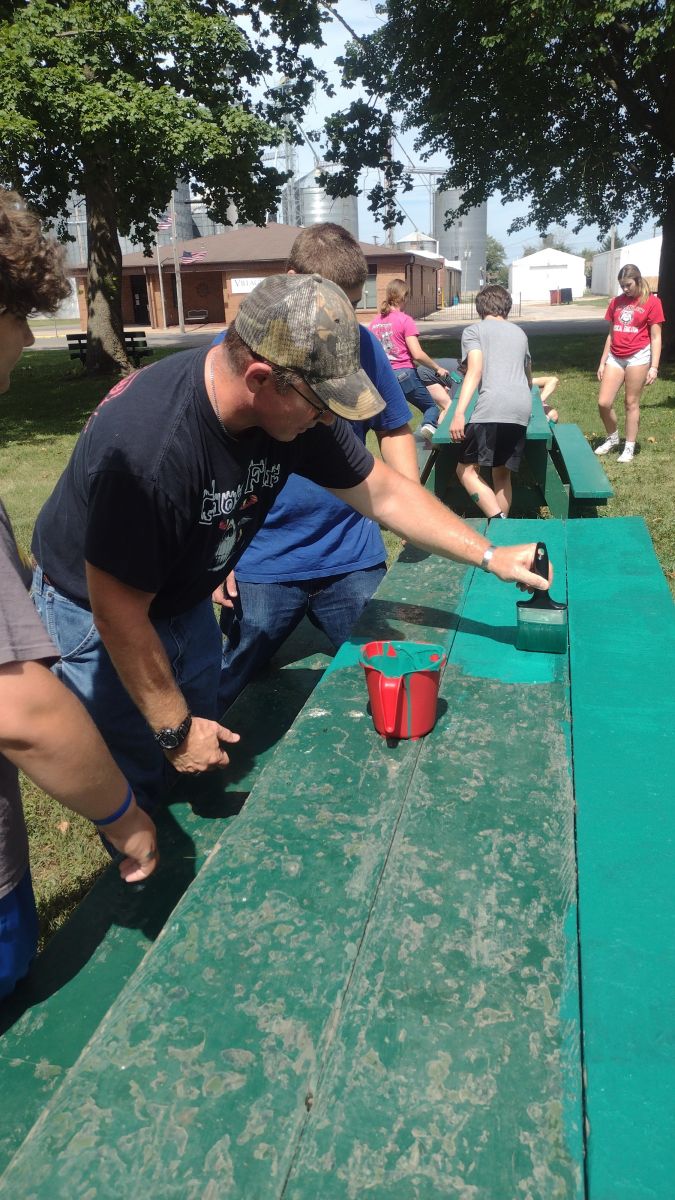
x,y
561,465
435,968
135,342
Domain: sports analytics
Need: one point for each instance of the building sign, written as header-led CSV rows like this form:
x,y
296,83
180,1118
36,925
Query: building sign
x,y
245,284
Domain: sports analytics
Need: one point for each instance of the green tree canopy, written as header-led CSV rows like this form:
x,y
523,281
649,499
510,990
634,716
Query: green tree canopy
x,y
495,261
567,105
116,99
605,243
549,241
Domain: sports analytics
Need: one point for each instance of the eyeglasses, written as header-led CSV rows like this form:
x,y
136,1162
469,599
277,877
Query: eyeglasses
x,y
320,408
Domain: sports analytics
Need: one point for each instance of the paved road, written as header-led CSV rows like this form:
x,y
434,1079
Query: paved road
x,y
536,320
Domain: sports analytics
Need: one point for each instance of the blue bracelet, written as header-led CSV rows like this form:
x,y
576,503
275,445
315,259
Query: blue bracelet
x,y
118,812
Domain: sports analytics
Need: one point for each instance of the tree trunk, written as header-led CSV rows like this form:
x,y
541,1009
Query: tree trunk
x,y
106,354
667,274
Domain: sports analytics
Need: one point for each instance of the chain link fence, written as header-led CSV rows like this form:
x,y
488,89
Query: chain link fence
x,y
465,309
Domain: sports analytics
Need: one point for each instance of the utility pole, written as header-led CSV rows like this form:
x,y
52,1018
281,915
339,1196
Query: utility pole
x,y
176,264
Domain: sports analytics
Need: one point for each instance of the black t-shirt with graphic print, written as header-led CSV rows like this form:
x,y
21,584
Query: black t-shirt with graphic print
x,y
157,494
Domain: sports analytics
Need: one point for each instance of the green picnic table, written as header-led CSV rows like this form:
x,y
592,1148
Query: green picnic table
x,y
433,968
560,469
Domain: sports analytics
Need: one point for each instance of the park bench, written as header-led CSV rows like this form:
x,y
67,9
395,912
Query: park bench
x,y
135,343
560,468
380,981
197,316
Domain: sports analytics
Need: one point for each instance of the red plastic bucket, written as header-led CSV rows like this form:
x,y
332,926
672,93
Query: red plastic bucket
x,y
402,680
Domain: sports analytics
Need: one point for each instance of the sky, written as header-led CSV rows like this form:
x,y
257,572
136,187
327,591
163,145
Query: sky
x,y
362,17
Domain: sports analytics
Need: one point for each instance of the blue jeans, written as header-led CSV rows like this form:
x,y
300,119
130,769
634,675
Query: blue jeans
x,y
271,611
193,645
18,934
416,394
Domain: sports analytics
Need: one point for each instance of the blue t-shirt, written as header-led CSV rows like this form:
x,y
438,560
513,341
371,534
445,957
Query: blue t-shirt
x,y
309,534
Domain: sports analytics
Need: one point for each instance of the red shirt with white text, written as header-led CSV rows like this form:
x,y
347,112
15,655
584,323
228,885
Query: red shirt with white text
x,y
631,321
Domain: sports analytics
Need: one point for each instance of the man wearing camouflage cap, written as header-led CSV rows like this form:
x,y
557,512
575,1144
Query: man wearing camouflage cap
x,y
169,481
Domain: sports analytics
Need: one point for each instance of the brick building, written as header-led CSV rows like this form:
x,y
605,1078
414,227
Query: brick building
x,y
234,262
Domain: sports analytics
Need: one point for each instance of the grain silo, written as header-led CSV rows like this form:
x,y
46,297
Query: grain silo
x,y
418,241
465,240
312,205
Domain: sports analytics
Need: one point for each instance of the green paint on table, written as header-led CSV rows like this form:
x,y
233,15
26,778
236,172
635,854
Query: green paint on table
x,y
196,1082
622,649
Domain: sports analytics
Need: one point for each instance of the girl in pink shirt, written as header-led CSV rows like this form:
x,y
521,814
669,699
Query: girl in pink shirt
x,y
398,334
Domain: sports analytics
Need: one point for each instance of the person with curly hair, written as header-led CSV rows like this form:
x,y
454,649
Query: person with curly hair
x,y
44,730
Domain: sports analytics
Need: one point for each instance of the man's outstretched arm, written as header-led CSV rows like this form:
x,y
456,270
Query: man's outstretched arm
x,y
414,514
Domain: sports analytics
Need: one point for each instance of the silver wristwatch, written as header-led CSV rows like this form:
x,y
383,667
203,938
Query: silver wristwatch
x,y
170,739
487,558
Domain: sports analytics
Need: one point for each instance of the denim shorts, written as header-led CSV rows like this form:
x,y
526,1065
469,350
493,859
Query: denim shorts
x,y
18,934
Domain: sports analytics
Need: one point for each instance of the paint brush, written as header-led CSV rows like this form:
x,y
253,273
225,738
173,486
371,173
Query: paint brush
x,y
542,624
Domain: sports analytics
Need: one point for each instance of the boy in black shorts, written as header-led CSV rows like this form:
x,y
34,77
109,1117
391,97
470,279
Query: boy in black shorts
x,y
498,363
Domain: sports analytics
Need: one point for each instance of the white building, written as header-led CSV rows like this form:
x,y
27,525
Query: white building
x,y
537,275
606,266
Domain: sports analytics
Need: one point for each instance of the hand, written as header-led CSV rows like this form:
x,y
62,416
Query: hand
x,y
513,564
442,372
201,750
601,371
652,374
226,593
135,836
457,429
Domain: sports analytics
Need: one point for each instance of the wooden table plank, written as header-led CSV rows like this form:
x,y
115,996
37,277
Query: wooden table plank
x,y
196,1083
456,1067
584,469
90,959
623,663
538,429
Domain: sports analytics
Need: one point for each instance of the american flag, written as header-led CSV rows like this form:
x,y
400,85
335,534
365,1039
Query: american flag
x,y
188,257
165,222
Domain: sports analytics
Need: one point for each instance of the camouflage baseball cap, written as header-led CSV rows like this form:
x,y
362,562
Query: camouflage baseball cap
x,y
306,323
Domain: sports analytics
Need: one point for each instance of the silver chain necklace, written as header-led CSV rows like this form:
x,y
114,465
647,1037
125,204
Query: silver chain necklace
x,y
214,398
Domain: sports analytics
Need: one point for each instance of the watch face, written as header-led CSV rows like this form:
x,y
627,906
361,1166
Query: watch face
x,y
169,739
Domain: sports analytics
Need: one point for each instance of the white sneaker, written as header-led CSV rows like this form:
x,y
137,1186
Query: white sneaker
x,y
610,443
428,431
626,455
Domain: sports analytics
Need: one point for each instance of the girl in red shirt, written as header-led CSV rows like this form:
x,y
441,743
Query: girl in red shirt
x,y
630,357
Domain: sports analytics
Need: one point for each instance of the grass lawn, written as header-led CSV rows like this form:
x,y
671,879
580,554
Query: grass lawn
x,y
45,409
594,302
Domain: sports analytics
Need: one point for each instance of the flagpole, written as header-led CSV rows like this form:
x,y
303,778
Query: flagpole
x,y
161,283
179,288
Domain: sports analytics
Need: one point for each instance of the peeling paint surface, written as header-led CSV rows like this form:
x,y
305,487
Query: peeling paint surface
x,y
368,988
